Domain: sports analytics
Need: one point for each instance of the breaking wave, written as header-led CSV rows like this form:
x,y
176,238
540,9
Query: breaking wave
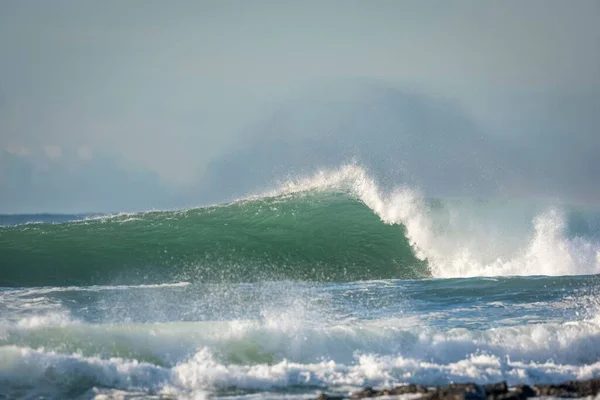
x,y
334,226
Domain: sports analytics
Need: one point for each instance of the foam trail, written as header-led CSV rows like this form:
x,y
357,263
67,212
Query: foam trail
x,y
97,288
530,354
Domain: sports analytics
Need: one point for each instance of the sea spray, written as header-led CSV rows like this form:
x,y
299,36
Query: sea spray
x,y
437,231
272,338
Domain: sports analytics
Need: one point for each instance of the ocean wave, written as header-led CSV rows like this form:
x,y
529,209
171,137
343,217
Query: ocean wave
x,y
251,355
337,225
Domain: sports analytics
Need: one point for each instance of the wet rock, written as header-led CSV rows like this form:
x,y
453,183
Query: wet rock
x,y
407,389
495,389
397,391
457,391
585,388
554,390
324,396
525,390
588,387
520,392
366,392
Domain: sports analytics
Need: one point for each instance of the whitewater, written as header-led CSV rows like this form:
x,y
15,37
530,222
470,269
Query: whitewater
x,y
329,283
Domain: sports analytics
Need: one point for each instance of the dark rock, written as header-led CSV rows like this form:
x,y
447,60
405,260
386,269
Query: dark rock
x,y
507,396
588,387
520,392
398,390
324,396
366,392
562,390
494,389
457,391
525,390
407,389
585,388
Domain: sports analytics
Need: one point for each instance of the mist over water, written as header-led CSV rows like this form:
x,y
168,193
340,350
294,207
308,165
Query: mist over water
x,y
402,134
437,144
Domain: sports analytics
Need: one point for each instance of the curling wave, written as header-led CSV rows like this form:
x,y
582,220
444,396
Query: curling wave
x,y
334,226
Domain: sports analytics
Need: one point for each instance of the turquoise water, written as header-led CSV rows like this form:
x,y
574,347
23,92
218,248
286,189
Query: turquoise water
x,y
325,284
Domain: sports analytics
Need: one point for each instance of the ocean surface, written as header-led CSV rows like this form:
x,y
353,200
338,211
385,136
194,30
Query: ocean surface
x,y
325,284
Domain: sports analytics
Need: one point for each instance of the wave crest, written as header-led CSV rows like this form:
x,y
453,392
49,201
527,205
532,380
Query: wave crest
x,y
467,238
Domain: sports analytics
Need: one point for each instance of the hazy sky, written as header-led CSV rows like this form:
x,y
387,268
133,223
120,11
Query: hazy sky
x,y
108,105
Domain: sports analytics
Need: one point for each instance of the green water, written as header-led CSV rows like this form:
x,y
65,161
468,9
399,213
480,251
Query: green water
x,y
309,236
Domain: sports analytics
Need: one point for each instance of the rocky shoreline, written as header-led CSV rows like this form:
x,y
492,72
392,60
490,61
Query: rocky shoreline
x,y
472,391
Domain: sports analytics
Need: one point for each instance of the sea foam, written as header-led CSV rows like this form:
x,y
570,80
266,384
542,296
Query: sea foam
x,y
438,235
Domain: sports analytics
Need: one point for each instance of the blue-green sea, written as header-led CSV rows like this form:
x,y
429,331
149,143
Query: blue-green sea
x,y
325,284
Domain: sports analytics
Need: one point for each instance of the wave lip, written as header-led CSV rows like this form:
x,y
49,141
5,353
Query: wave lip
x,y
471,237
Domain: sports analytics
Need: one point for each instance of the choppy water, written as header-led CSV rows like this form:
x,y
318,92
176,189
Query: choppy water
x,y
326,284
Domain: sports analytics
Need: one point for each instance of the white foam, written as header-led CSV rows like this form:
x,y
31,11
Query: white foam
x,y
94,288
452,252
342,356
49,319
52,374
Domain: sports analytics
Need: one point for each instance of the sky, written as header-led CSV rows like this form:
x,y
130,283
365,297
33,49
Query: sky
x,y
111,105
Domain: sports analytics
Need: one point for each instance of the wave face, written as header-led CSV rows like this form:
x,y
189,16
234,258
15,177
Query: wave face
x,y
335,226
305,236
